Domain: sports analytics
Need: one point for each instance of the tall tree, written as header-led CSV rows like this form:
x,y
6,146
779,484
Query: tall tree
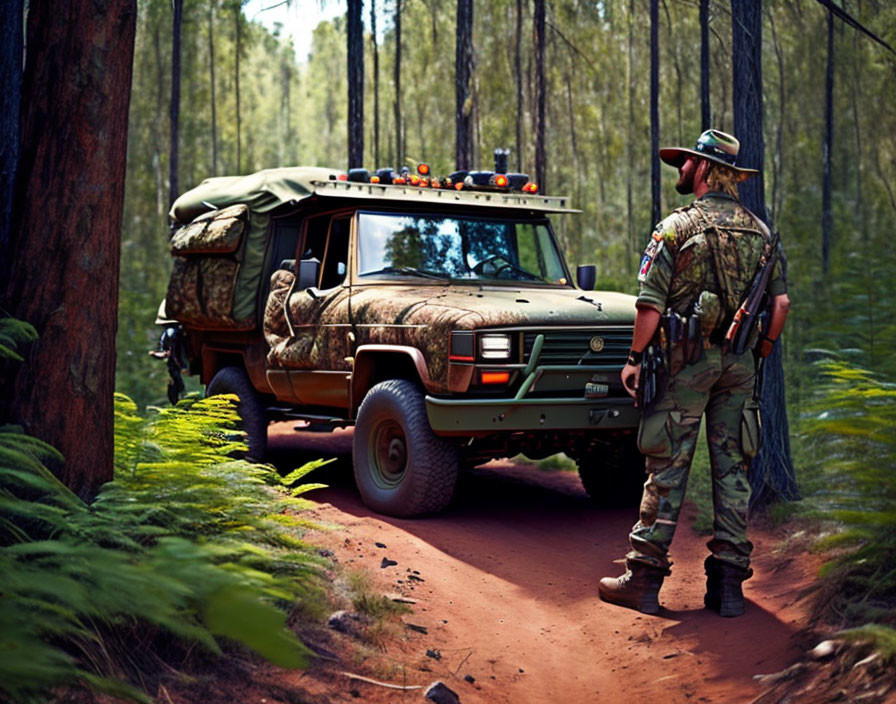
x,y
656,211
211,81
67,228
396,79
540,96
705,114
376,85
772,473
463,77
237,52
11,19
827,147
355,38
518,78
174,111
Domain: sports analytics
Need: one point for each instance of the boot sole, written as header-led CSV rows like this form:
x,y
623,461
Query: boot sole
x,y
645,607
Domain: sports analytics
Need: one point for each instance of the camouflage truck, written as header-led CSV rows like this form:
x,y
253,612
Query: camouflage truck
x,y
439,319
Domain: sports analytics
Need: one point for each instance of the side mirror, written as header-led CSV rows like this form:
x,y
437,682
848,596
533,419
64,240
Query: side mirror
x,y
586,276
309,271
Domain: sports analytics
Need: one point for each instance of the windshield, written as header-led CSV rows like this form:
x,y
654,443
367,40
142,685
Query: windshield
x,y
458,248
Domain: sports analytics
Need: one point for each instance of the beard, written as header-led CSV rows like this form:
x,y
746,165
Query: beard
x,y
685,184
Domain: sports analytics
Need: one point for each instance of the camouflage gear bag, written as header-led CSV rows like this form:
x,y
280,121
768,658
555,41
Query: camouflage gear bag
x,y
207,258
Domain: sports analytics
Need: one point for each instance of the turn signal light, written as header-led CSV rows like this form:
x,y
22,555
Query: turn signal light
x,y
530,188
494,377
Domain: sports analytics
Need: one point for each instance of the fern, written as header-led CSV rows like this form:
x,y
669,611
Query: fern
x,y
186,543
851,427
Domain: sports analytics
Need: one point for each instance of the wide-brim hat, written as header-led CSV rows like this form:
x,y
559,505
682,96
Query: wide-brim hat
x,y
714,145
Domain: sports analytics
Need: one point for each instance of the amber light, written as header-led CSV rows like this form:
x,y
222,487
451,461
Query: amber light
x,y
501,180
459,186
434,183
398,181
374,179
342,177
494,377
530,188
423,169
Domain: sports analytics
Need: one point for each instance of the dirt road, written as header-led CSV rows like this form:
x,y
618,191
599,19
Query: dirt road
x,y
506,588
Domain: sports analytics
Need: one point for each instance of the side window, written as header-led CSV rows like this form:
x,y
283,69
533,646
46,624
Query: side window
x,y
335,261
326,240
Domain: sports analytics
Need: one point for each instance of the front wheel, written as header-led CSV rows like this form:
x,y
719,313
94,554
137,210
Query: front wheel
x,y
402,468
613,474
234,380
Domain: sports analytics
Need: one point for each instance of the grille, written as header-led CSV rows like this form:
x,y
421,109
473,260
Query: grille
x,y
572,346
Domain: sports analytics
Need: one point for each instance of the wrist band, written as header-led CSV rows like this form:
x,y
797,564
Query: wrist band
x,y
635,357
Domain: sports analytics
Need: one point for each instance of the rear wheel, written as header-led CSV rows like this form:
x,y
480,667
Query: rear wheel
x,y
402,468
613,475
234,380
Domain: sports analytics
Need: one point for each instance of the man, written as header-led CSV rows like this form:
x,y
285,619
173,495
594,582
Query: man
x,y
699,263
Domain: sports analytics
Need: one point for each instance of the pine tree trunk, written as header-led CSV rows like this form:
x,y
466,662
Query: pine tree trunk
x,y
396,78
463,77
518,75
540,96
67,224
705,113
630,138
376,86
656,212
211,71
238,17
355,37
771,474
826,217
174,111
11,19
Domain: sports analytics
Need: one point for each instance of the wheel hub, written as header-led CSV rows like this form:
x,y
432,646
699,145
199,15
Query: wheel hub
x,y
389,454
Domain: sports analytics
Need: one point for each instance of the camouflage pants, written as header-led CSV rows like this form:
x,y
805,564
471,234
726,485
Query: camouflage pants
x,y
721,386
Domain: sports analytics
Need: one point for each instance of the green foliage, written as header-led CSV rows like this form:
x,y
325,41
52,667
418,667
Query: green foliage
x,y
851,430
882,638
186,546
13,334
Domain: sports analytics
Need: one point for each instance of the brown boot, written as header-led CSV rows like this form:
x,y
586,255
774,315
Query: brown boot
x,y
637,589
724,593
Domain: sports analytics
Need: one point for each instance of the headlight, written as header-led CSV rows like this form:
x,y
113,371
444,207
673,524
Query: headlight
x,y
494,346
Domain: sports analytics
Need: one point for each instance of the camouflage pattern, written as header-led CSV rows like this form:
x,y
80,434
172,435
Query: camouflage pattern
x,y
720,385
318,338
417,316
216,232
677,264
205,272
200,293
678,273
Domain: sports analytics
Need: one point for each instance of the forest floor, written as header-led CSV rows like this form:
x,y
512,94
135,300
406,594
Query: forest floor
x,y
505,606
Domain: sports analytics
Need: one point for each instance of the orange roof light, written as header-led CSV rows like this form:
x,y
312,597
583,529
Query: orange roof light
x,y
459,186
342,177
435,183
501,180
530,188
423,169
494,377
398,181
374,179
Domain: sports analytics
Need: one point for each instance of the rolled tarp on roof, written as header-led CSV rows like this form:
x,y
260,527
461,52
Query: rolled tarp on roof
x,y
262,191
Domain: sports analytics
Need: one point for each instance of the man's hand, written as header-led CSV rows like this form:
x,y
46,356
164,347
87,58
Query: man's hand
x,y
631,375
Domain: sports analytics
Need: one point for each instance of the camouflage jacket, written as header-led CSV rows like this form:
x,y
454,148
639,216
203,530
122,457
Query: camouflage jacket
x,y
678,262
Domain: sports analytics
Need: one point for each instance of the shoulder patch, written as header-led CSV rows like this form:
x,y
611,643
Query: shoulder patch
x,y
654,248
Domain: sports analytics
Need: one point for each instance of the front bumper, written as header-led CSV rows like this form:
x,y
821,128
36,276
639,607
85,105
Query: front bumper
x,y
481,417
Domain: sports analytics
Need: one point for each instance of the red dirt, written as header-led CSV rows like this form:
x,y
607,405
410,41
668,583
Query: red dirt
x,y
509,595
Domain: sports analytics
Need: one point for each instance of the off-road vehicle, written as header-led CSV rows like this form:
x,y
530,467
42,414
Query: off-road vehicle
x,y
435,316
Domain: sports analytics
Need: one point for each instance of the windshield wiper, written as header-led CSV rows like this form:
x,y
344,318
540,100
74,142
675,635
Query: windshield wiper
x,y
408,271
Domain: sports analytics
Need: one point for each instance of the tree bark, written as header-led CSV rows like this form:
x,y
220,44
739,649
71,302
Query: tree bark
x,y
355,38
540,96
629,142
174,110
656,212
518,76
396,78
238,17
376,86
211,71
771,474
11,19
828,145
705,113
67,219
463,77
